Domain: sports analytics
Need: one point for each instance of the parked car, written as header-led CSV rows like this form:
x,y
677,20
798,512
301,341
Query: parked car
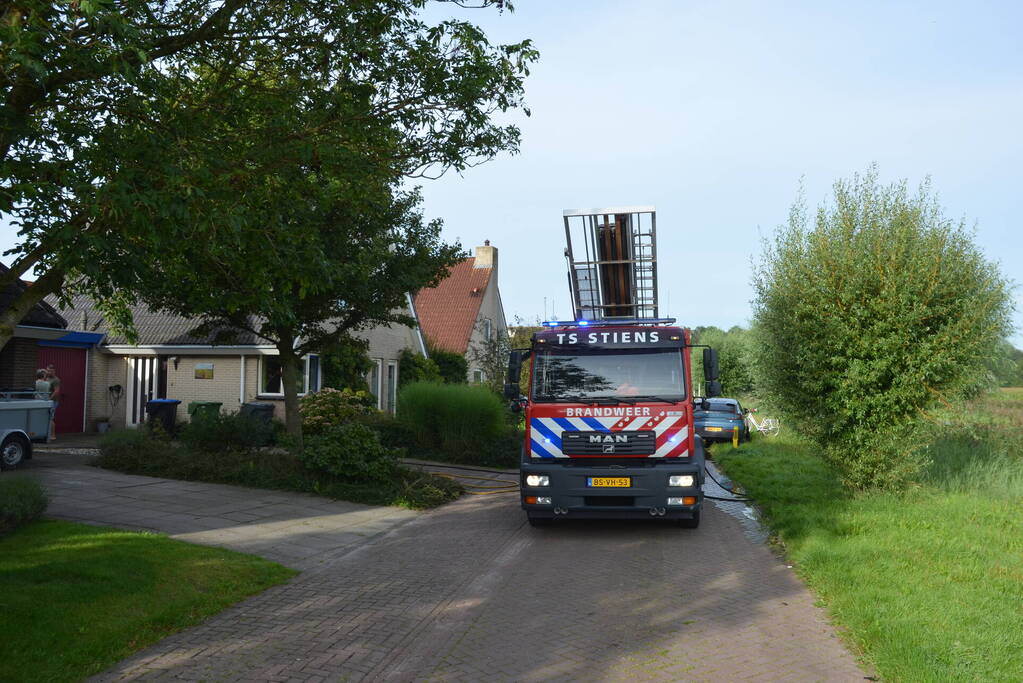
x,y
716,418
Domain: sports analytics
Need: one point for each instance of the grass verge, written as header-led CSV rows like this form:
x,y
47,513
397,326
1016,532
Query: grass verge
x,y
76,599
927,583
269,469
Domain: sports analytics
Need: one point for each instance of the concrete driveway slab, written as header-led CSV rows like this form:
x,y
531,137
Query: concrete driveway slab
x,y
295,529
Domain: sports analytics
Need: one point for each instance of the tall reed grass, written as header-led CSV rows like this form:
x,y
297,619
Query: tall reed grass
x,y
453,418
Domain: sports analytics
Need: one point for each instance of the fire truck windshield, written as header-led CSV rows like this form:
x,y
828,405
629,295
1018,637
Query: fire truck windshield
x,y
561,375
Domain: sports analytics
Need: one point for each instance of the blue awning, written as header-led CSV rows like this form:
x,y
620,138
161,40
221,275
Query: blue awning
x,y
75,340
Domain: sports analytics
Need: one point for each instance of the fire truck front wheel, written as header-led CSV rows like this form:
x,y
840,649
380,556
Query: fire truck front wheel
x,y
691,523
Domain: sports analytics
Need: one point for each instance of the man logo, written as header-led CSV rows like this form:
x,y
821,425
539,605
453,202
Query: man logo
x,y
608,438
609,448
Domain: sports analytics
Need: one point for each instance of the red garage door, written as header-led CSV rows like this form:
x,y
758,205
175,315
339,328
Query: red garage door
x,y
70,367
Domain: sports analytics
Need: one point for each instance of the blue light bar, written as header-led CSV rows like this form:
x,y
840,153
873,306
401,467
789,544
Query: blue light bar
x,y
609,322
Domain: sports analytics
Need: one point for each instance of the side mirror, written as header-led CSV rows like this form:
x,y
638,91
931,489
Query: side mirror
x,y
710,367
713,388
511,384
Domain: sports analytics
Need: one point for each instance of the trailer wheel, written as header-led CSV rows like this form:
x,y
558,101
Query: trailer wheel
x,y
538,521
13,451
691,523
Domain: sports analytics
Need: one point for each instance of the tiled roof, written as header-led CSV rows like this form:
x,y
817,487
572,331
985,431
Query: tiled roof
x,y
448,311
40,315
154,328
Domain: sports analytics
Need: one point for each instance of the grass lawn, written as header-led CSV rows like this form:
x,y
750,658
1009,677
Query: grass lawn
x,y
76,599
928,584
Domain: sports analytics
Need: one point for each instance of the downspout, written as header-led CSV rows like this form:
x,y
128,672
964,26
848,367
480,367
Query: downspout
x,y
241,381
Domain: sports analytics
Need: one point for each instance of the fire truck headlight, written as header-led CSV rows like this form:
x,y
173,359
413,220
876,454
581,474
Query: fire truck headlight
x,y
538,480
684,480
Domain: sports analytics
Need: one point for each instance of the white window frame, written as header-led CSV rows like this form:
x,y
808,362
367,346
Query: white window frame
x,y
482,376
488,329
377,391
392,387
305,386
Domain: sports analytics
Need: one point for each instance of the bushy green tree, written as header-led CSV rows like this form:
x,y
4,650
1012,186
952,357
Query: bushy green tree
x,y
413,367
490,356
132,129
346,362
868,315
453,366
734,349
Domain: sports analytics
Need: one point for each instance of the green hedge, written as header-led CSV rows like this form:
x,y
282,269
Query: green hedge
x,y
136,452
21,501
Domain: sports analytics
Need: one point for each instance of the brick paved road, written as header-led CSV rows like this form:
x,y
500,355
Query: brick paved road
x,y
470,593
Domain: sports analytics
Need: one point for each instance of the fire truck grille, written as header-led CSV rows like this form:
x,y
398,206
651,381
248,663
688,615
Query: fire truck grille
x,y
608,443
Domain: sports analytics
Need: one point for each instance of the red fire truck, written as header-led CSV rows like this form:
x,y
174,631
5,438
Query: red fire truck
x,y
609,422
608,408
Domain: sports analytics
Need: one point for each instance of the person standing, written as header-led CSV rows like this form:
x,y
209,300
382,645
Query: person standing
x,y
42,386
55,396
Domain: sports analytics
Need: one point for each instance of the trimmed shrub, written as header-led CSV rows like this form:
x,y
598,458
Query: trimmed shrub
x,y
350,451
393,433
453,366
413,367
219,433
135,453
330,408
21,501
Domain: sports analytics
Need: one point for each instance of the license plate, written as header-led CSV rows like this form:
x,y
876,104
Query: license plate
x,y
713,429
609,482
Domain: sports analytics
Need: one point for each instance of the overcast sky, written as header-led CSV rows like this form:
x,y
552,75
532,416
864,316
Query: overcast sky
x,y
713,112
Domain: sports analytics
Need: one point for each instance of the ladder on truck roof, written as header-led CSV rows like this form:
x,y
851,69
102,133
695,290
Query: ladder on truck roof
x,y
612,262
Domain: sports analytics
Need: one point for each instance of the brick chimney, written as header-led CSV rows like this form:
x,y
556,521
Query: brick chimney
x,y
486,256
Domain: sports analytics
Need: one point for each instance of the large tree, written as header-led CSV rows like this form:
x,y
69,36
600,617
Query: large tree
x,y
115,117
866,316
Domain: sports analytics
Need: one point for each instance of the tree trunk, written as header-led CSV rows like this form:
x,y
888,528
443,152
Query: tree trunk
x,y
23,303
290,378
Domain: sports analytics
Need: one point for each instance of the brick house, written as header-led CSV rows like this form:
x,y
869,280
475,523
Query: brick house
x,y
42,338
169,361
464,310
107,378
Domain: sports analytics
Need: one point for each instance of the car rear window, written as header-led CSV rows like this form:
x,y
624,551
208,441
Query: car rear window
x,y
719,408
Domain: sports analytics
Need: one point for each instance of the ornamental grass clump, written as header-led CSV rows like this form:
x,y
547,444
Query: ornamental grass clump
x,y
866,317
454,422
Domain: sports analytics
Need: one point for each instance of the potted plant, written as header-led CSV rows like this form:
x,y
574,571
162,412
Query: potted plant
x,y
102,425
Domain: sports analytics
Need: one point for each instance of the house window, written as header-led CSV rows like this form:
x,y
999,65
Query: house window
x,y
488,329
271,375
373,379
392,386
477,376
314,374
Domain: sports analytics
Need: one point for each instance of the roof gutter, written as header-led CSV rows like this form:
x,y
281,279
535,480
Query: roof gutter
x,y
191,349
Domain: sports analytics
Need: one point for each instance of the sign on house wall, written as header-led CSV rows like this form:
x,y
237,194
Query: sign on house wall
x,y
204,370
